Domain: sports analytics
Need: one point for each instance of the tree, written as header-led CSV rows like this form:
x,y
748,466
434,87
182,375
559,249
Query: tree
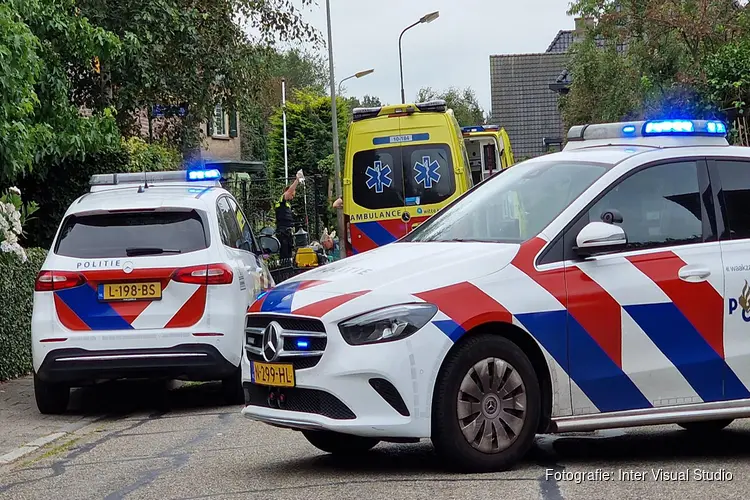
x,y
190,54
464,103
310,140
42,45
301,69
664,49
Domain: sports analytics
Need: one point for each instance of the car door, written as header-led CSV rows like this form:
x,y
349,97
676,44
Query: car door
x,y
645,322
732,196
248,252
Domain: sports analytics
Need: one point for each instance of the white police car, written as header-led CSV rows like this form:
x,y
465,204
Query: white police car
x,y
145,280
603,286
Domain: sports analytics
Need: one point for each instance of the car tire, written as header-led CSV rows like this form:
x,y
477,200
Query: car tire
x,y
706,425
51,399
336,443
481,434
231,387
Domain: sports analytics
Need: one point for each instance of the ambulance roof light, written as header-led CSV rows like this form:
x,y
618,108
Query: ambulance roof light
x,y
479,128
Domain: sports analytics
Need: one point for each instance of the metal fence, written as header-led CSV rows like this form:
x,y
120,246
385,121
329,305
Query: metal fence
x,y
258,194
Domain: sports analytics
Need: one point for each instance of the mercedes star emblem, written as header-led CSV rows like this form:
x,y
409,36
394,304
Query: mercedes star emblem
x,y
272,341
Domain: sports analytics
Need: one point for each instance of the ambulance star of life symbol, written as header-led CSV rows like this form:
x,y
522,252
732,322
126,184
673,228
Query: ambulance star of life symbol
x,y
378,176
427,172
127,268
272,342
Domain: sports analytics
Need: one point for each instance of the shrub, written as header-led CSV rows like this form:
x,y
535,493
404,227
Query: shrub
x,y
56,188
151,157
17,296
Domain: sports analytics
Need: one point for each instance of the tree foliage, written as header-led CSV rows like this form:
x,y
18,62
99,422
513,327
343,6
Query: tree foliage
x,y
310,140
44,44
190,54
674,59
464,103
301,70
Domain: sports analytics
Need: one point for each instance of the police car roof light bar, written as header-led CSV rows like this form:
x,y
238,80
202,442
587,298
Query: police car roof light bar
x,y
651,128
189,177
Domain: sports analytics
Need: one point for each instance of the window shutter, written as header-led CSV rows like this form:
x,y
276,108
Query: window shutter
x,y
233,122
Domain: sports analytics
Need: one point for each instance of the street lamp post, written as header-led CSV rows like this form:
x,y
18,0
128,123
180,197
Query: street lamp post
x,y
427,18
355,75
335,130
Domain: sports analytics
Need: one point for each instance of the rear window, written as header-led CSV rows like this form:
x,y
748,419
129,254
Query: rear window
x,y
403,175
132,234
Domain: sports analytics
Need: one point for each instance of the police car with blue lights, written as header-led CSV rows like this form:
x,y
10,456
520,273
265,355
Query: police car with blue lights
x,y
149,275
603,286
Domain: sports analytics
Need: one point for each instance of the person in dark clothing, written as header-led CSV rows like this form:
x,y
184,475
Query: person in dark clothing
x,y
285,219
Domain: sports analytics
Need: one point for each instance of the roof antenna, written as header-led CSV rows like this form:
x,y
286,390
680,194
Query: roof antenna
x,y
142,189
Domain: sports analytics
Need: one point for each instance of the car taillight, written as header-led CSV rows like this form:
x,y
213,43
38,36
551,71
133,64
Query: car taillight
x,y
48,281
211,274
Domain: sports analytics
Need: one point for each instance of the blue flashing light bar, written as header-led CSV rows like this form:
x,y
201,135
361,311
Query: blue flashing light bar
x,y
303,344
204,175
628,130
668,127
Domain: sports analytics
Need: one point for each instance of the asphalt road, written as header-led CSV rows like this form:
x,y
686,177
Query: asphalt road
x,y
157,442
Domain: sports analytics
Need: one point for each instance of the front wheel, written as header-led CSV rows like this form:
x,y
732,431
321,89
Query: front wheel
x,y
487,405
340,444
706,425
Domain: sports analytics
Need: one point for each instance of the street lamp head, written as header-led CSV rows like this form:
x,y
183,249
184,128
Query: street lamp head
x,y
364,73
428,18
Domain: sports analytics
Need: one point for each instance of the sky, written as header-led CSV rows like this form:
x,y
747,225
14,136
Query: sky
x,y
453,50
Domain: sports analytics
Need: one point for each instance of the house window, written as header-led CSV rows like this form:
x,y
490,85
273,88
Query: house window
x,y
220,122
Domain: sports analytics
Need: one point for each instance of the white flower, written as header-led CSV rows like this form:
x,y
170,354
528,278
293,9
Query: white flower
x,y
17,227
15,216
15,190
4,224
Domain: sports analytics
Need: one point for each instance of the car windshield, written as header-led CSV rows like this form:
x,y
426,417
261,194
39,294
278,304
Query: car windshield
x,y
514,206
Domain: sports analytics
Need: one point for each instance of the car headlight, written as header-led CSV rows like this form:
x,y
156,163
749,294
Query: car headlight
x,y
388,324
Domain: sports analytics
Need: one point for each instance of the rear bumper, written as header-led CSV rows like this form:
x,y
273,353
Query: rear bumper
x,y
198,362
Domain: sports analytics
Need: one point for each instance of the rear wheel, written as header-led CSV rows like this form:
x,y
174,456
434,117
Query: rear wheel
x,y
340,444
706,425
487,405
231,387
51,399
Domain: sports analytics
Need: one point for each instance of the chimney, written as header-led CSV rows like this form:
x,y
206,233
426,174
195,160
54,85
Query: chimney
x,y
584,23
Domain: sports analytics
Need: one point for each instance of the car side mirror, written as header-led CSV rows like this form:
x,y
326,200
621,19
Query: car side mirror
x,y
269,244
598,238
245,245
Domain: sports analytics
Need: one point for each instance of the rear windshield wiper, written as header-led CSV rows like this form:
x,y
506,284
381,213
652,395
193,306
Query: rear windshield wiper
x,y
135,251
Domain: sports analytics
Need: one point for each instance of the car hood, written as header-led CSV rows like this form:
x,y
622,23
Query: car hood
x,y
411,267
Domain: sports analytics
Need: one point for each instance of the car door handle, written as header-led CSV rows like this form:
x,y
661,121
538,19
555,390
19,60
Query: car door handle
x,y
694,274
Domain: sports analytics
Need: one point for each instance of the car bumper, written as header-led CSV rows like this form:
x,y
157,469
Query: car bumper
x,y
383,390
189,361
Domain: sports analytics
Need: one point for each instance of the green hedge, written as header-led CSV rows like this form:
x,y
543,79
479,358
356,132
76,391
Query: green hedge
x,y
17,299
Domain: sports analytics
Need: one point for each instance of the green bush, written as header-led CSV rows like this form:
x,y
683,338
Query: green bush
x,y
56,188
17,296
150,157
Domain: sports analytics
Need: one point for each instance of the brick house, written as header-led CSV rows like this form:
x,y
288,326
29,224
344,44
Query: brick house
x,y
220,136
